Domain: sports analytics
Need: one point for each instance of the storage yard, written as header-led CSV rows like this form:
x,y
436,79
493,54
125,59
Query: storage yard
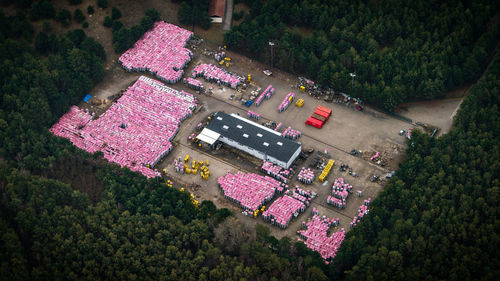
x,y
320,157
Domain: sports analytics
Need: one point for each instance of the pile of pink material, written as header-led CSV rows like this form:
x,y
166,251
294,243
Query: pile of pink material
x,y
375,156
193,83
249,191
267,93
362,211
252,114
136,130
282,211
275,171
341,203
315,236
306,175
291,133
212,73
340,189
161,52
286,102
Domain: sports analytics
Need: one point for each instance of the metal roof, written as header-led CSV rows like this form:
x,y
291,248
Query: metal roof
x,y
208,136
253,135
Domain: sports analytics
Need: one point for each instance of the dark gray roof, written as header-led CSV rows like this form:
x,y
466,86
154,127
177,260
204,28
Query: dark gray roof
x,y
253,135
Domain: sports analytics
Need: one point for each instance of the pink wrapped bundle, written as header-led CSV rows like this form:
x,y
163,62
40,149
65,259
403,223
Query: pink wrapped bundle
x,y
252,114
362,211
291,133
286,102
340,189
136,130
306,175
275,171
193,83
267,93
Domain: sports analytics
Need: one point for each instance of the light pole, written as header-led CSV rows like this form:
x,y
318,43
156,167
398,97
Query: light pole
x,y
271,44
352,85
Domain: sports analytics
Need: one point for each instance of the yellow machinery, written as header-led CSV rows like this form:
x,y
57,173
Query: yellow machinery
x,y
207,163
227,64
299,103
302,88
186,159
249,78
205,173
227,59
326,170
255,214
221,62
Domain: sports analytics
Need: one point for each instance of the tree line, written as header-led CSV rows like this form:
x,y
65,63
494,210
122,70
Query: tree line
x,y
437,219
399,51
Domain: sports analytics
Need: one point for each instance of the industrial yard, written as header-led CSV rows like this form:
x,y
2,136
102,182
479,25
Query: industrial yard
x,y
268,145
347,129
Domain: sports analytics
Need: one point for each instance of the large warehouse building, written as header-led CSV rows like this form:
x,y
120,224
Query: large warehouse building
x,y
250,137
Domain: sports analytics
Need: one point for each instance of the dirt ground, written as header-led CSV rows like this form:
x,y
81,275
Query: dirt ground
x,y
347,129
438,113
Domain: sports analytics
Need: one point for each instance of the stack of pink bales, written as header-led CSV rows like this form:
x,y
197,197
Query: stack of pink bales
x,y
193,83
275,171
341,189
267,93
212,73
286,102
282,211
291,133
161,52
249,191
362,211
285,208
136,130
252,114
306,175
315,236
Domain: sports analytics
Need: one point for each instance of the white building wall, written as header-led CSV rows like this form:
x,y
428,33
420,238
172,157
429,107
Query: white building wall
x,y
276,161
259,154
294,156
244,148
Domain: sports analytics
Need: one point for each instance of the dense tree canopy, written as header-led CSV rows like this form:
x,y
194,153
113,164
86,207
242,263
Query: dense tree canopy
x,y
438,218
193,12
399,50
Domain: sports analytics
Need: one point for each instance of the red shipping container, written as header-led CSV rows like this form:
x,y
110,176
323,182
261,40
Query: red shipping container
x,y
321,113
319,117
325,109
314,122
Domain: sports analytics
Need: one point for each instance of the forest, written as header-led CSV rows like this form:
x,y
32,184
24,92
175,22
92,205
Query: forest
x,y
438,218
400,51
66,214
